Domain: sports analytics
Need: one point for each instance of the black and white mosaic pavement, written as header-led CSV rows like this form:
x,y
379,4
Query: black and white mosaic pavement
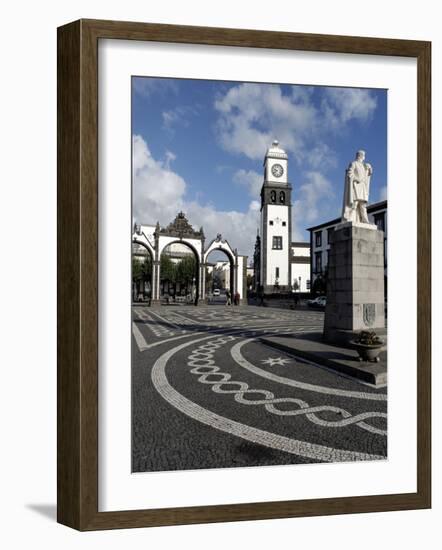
x,y
207,394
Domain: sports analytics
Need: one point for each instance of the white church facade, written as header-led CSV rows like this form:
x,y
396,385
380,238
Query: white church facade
x,y
280,264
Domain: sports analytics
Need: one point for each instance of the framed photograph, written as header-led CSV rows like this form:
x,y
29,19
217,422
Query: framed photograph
x,y
244,238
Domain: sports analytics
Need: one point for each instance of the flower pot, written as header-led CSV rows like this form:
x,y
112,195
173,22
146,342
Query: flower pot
x,y
368,352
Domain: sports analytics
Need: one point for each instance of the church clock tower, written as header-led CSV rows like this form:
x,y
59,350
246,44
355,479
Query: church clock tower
x,y
276,222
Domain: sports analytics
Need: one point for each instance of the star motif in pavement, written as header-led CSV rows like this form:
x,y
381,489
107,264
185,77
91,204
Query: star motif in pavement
x,y
275,361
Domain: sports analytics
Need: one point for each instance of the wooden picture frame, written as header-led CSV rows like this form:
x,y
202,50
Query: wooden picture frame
x,y
78,274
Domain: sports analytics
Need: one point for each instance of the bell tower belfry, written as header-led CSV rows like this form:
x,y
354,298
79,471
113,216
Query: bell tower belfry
x,y
276,222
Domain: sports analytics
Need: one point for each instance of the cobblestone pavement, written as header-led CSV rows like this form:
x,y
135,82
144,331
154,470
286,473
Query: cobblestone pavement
x,y
207,394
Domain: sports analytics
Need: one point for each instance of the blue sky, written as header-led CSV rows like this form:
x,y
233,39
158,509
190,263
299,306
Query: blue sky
x,y
199,145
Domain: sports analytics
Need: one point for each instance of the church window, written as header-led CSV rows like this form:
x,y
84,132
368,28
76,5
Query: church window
x,y
282,197
271,222
277,243
284,224
273,196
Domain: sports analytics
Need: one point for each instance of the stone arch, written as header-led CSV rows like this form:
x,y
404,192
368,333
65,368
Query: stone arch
x,y
179,230
193,244
141,240
146,245
156,238
220,244
164,242
223,245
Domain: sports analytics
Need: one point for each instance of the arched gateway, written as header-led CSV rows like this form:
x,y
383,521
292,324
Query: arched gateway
x,y
157,239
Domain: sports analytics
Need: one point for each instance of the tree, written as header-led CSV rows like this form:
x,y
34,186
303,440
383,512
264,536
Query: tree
x,y
186,270
168,269
141,269
141,275
136,269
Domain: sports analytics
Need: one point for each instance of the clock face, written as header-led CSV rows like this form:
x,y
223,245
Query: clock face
x,y
277,170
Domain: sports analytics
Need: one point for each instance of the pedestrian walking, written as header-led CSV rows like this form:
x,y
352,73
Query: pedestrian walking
x,y
228,298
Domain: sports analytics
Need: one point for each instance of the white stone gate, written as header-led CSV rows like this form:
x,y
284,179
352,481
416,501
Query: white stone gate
x,y
156,239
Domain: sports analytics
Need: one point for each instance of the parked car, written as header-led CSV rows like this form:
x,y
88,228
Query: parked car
x,y
318,302
216,292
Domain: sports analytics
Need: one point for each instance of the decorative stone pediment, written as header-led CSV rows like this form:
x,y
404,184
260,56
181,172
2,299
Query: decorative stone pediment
x,y
181,228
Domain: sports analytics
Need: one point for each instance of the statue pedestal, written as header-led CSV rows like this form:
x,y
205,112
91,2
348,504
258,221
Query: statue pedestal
x,y
355,287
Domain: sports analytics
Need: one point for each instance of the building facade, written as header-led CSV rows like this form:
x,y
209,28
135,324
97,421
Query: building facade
x,y
275,226
320,236
280,265
300,266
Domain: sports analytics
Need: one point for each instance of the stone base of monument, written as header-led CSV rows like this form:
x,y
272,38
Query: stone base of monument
x,y
339,359
355,284
346,337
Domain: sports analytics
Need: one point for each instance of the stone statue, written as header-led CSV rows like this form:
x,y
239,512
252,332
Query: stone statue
x,y
356,190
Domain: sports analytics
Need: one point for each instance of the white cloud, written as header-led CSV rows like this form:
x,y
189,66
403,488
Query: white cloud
x,y
321,157
155,186
170,157
159,194
221,168
313,202
251,179
239,228
252,115
302,93
340,105
178,116
169,118
147,86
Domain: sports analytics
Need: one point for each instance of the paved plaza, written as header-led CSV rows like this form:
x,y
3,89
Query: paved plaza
x,y
206,393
